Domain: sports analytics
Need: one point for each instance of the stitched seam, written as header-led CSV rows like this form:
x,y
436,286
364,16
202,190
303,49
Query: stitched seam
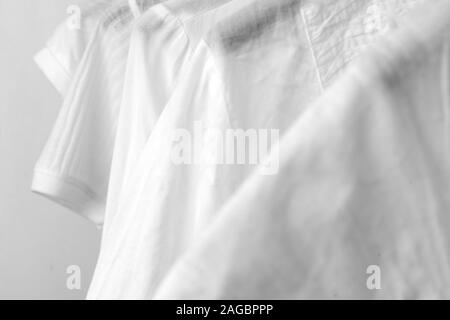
x,y
316,65
71,181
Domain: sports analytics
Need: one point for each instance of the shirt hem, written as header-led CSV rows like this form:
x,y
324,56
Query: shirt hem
x,y
67,194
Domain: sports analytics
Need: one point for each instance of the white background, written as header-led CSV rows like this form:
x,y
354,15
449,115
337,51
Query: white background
x,y
38,239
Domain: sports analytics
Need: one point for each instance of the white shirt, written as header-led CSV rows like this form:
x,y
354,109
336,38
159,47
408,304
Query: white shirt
x,y
162,44
259,68
362,191
74,167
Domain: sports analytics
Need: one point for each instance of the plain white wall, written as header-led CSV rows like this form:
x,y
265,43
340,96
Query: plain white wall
x,y
38,239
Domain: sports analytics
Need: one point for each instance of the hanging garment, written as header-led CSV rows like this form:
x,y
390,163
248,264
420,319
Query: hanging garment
x,y
362,191
162,44
74,167
258,68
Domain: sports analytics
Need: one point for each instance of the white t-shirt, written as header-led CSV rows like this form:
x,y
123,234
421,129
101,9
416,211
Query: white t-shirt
x,y
360,206
88,68
162,44
258,69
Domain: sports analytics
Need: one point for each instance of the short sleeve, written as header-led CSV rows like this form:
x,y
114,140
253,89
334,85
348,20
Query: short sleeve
x,y
74,166
61,55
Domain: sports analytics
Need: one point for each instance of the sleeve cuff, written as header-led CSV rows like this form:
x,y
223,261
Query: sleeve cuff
x,y
69,194
53,70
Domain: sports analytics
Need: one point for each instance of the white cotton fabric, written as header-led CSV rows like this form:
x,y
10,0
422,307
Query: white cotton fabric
x,y
363,181
61,55
74,167
162,44
261,65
